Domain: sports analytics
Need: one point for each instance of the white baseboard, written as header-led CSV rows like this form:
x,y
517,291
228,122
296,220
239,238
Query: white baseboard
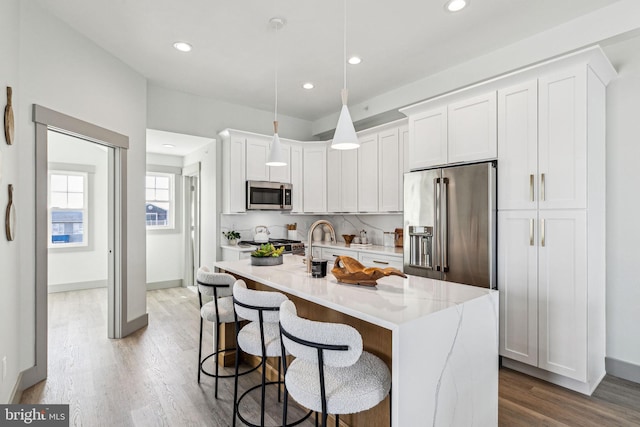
x,y
166,284
77,286
622,369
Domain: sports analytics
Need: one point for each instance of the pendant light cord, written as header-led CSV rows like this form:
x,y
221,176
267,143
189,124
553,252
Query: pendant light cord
x,y
276,73
344,63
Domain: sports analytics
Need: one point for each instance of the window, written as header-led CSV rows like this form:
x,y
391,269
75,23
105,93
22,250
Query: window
x,y
68,209
160,200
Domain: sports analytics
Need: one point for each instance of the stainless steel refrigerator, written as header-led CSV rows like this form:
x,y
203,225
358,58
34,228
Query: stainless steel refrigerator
x,y
450,224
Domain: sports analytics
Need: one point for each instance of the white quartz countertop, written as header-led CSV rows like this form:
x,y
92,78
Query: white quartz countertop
x,y
393,302
377,249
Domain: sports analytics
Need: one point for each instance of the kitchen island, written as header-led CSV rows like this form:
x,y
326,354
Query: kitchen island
x,y
440,339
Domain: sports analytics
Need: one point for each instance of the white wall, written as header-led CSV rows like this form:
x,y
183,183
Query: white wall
x,y
179,112
66,72
623,204
88,265
13,278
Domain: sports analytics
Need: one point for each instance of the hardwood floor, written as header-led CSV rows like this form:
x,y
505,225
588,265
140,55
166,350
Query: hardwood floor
x,y
149,378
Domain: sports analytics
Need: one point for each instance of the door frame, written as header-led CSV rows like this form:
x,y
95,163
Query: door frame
x,y
188,172
45,120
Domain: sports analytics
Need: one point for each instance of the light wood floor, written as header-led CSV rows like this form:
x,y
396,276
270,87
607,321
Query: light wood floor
x,y
149,378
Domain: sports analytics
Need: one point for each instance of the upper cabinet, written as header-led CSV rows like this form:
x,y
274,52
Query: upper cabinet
x,y
342,180
233,172
462,131
368,173
314,193
258,149
391,154
472,129
297,178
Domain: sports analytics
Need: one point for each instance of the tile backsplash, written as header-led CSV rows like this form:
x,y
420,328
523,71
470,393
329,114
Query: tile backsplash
x,y
374,225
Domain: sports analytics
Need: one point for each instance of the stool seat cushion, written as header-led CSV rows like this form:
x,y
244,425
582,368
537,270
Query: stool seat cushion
x,y
225,310
349,389
249,339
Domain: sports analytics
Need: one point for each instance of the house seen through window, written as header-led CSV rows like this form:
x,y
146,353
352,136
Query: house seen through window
x,y
159,200
68,208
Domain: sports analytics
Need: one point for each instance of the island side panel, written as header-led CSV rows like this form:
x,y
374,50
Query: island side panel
x,y
452,357
376,340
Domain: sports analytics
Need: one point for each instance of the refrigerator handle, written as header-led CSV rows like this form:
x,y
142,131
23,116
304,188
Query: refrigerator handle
x,y
436,226
445,226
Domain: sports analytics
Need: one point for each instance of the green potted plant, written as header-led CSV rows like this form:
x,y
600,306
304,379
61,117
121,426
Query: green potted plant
x,y
231,236
267,254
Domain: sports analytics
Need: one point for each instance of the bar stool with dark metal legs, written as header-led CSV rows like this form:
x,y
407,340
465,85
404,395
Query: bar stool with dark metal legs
x,y
331,373
260,337
219,311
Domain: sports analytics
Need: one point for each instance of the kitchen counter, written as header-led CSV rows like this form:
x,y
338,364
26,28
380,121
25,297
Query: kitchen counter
x,y
376,249
444,337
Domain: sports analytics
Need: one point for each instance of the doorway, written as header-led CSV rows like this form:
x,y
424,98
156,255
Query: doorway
x,y
191,176
47,121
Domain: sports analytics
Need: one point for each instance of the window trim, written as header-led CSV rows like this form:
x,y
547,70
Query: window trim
x,y
74,169
175,198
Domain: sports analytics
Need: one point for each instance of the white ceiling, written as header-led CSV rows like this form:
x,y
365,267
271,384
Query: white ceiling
x,y
400,42
182,144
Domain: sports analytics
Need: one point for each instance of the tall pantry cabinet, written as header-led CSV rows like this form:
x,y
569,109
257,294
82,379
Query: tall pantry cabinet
x,y
551,222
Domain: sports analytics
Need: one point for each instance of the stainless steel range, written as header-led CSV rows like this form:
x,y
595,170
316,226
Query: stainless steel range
x,y
290,246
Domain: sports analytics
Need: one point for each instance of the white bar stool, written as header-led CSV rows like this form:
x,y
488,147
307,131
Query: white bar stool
x,y
219,311
260,337
331,373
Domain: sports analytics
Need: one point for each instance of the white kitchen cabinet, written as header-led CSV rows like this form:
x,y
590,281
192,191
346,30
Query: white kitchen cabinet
x,y
342,180
518,285
257,155
562,293
562,141
330,255
472,129
391,169
233,172
314,193
297,178
368,173
258,150
369,259
551,223
428,138
282,173
518,146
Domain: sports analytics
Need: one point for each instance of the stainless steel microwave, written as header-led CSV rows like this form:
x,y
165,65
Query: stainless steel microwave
x,y
268,196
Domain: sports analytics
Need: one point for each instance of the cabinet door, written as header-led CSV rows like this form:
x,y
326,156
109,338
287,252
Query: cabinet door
x,y
404,140
237,188
281,173
257,155
382,261
428,138
390,171
334,180
349,181
472,129
296,178
562,293
315,178
562,147
518,146
518,285
368,174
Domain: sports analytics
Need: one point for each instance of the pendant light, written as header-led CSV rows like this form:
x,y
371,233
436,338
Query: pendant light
x,y
345,137
275,155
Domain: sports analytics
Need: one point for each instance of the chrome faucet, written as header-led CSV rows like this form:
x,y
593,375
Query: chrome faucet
x,y
310,239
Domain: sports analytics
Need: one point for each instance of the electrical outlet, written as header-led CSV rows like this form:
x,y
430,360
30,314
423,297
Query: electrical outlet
x,y
4,367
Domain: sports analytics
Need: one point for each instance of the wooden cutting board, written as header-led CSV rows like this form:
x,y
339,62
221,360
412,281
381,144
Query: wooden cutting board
x,y
8,118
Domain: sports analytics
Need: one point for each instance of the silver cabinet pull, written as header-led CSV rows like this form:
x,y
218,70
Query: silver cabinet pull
x,y
381,262
531,225
542,232
531,194
542,187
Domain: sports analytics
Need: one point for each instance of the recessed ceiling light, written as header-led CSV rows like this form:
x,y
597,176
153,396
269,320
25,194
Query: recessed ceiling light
x,y
183,46
308,86
169,145
354,60
456,5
